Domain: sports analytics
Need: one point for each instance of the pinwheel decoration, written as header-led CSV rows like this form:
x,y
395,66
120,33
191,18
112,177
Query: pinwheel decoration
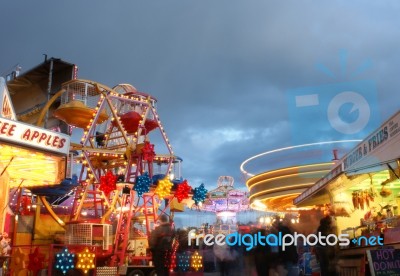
x,y
142,184
65,261
148,151
199,194
85,261
36,261
18,260
196,261
108,183
183,262
182,191
163,188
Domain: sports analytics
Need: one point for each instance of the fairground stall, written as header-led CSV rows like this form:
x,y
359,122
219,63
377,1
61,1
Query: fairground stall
x,y
362,192
30,156
88,207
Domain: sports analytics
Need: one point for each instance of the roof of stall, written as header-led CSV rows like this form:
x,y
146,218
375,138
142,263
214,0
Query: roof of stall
x,y
30,90
39,74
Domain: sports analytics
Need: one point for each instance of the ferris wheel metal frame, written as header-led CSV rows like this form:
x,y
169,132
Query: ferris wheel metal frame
x,y
119,149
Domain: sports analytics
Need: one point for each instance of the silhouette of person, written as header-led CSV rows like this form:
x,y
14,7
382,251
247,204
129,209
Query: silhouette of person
x,y
288,258
160,245
325,253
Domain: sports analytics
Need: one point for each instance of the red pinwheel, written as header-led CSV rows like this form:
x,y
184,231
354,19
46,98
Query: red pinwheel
x,y
148,151
36,261
108,183
183,190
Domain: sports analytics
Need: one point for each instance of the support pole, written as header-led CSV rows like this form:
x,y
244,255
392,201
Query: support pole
x,y
49,84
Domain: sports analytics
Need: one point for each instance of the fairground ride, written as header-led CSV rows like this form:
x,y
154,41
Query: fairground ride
x,y
117,163
121,185
226,201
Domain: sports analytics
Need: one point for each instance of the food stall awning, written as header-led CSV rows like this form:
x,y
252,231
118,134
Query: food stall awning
x,y
322,195
389,165
378,153
318,192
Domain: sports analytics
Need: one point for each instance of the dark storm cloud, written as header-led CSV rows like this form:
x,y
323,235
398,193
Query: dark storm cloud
x,y
219,69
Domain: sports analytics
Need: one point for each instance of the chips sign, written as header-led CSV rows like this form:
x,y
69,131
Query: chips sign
x,y
32,136
378,147
384,261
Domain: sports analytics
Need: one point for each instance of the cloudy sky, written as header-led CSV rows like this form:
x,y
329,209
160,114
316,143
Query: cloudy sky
x,y
221,70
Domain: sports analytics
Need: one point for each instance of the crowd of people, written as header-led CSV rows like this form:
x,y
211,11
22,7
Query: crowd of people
x,y
231,260
260,260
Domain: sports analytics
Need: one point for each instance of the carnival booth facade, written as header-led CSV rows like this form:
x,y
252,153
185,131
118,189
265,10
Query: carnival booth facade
x,y
362,193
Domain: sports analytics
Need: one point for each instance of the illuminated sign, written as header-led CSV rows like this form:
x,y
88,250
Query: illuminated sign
x,y
385,261
32,136
376,148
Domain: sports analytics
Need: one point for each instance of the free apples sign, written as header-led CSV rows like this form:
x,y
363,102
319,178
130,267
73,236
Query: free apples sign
x,y
32,136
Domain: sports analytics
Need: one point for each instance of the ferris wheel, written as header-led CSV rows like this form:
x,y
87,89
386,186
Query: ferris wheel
x,y
115,154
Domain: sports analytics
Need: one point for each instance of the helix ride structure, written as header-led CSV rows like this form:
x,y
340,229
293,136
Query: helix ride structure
x,y
289,172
